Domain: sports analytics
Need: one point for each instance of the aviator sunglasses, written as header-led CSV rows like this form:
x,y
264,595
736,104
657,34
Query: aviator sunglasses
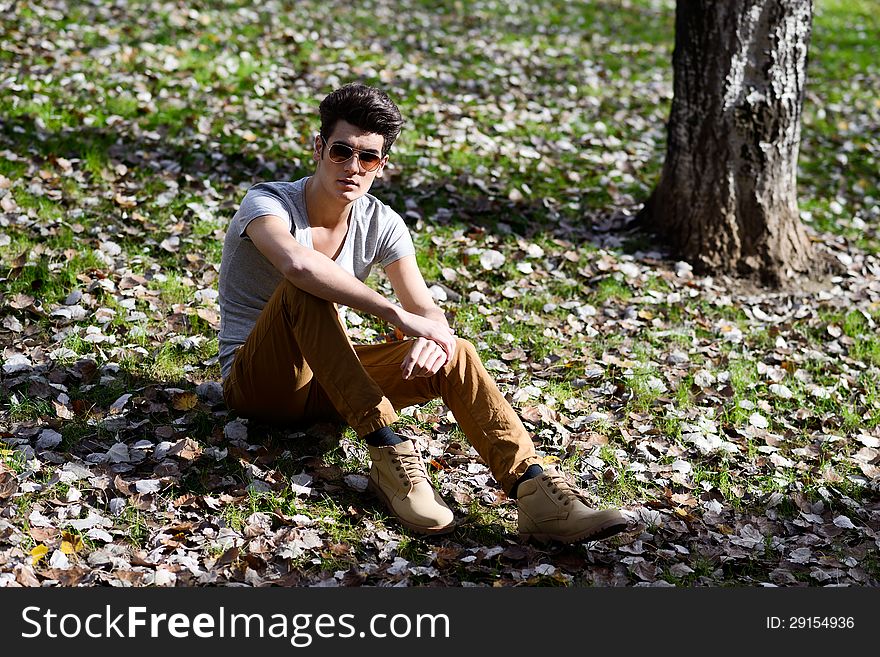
x,y
340,153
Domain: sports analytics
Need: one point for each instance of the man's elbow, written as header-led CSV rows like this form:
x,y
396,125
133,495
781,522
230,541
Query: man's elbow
x,y
295,270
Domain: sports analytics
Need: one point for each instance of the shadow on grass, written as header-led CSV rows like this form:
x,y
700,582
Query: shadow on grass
x,y
458,201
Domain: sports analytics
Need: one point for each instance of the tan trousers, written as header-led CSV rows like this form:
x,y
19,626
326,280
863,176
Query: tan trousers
x,y
299,365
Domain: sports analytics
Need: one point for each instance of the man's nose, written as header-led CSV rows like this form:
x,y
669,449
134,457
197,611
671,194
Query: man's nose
x,y
353,164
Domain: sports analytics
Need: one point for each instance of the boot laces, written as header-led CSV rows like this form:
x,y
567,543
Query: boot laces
x,y
411,467
560,487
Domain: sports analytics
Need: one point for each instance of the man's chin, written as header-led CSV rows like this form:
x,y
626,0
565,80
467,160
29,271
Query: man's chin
x,y
352,194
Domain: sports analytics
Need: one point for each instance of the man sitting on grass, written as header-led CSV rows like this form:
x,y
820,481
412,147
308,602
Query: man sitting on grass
x,y
292,252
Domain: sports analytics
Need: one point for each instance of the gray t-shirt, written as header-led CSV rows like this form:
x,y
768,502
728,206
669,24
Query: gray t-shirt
x,y
376,234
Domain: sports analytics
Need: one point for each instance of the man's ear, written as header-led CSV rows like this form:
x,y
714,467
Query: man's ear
x,y
381,169
316,152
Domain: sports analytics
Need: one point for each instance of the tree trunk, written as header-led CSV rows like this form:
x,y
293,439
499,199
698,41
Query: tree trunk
x,y
727,198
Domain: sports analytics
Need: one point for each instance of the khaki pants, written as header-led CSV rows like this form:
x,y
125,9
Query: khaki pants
x,y
299,365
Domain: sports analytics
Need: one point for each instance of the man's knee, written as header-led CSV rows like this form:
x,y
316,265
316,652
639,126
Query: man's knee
x,y
294,297
465,351
291,292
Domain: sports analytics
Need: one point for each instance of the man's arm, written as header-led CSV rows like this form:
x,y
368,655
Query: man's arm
x,y
426,356
315,273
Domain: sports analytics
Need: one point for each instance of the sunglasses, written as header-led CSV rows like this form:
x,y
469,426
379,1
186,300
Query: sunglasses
x,y
339,153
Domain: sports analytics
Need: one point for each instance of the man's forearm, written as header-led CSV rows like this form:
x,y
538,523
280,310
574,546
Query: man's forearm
x,y
316,274
434,313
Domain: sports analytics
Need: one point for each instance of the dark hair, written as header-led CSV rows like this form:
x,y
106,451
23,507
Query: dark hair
x,y
367,108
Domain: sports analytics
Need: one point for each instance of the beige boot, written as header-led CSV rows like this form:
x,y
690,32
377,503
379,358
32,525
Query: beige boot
x,y
398,477
550,509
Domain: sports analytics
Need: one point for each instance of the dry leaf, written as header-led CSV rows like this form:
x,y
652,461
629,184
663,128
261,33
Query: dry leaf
x,y
38,553
184,401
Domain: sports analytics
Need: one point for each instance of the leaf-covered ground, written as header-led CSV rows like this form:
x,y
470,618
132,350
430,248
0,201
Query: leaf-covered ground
x,y
737,428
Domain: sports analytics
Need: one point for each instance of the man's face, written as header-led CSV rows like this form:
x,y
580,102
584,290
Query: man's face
x,y
348,180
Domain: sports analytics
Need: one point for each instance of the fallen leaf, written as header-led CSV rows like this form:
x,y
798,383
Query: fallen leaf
x,y
71,543
38,553
184,401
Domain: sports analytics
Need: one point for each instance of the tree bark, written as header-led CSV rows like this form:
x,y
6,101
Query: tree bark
x,y
727,195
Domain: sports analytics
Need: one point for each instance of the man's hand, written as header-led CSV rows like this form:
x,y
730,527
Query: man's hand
x,y
425,358
432,331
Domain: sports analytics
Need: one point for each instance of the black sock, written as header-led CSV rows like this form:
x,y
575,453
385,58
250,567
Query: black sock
x,y
531,472
383,437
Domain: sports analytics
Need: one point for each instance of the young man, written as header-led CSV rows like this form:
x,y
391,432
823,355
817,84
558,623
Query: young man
x,y
296,249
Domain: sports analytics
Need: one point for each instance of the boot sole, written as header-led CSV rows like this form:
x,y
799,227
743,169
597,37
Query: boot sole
x,y
430,531
605,530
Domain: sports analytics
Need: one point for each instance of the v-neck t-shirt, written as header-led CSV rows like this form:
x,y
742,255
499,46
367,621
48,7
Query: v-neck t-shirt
x,y
376,234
